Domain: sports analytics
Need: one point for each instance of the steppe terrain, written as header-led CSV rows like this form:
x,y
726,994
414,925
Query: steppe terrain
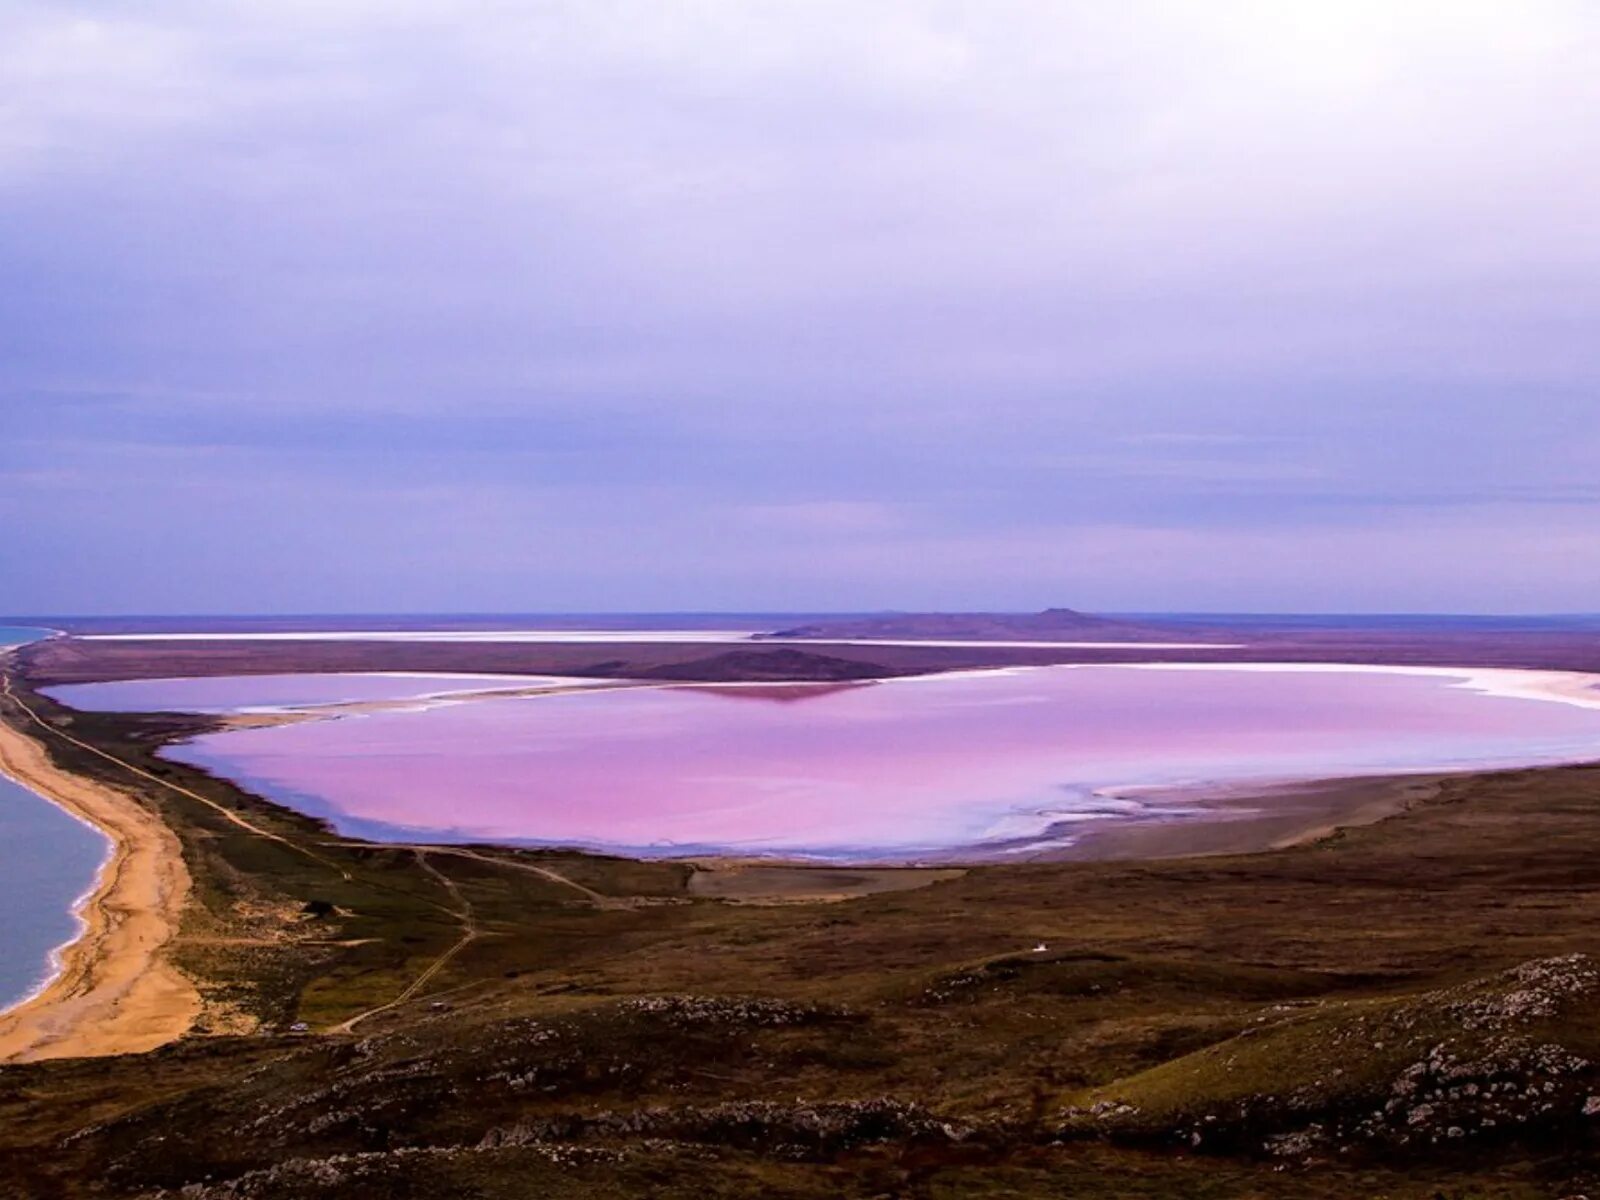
x,y
1405,1008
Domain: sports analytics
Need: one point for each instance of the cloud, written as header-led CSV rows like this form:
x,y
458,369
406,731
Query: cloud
x,y
908,275
829,518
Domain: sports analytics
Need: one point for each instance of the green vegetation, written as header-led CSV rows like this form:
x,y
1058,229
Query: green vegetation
x,y
492,1024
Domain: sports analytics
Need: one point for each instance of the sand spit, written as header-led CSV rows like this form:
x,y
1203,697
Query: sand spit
x,y
115,991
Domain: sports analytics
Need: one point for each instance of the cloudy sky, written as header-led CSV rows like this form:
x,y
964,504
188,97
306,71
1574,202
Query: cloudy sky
x,y
319,305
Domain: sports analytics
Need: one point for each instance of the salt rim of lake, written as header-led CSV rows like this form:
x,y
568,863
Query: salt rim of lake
x,y
1012,822
1519,683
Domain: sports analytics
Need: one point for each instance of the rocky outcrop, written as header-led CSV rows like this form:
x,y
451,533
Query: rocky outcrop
x,y
1511,1056
786,1130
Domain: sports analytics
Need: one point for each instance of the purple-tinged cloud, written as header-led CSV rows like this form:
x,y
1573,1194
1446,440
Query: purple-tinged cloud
x,y
800,305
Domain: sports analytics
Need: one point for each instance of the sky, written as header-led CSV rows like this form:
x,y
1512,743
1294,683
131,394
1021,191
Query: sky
x,y
799,305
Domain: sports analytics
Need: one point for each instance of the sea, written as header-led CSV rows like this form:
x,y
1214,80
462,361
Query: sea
x,y
48,863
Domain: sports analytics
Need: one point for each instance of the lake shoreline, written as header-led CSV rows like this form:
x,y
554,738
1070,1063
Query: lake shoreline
x,y
1257,819
1108,812
116,992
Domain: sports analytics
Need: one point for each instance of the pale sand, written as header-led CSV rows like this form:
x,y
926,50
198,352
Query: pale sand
x,y
116,991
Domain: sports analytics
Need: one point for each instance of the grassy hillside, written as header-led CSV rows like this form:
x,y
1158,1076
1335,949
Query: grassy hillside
x,y
1405,1010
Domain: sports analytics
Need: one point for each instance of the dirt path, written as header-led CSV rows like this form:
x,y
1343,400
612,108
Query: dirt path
x,y
469,933
598,899
221,809
117,993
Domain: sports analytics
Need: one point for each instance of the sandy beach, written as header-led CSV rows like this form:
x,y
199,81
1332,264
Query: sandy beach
x,y
115,993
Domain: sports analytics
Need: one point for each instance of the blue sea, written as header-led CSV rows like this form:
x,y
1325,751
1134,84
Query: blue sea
x,y
47,861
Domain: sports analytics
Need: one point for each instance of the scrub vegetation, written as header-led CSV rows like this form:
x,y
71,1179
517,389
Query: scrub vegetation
x,y
1406,1009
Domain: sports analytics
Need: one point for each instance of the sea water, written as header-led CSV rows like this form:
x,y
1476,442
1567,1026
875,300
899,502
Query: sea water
x,y
48,862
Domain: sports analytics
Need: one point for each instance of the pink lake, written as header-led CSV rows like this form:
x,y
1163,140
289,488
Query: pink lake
x,y
983,764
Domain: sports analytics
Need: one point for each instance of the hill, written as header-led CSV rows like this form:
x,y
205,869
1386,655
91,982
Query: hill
x,y
766,666
1052,624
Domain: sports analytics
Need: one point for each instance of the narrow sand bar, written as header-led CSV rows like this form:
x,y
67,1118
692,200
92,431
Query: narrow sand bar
x,y
116,992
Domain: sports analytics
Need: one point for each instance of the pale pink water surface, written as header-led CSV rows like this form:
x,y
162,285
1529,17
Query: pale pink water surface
x,y
900,769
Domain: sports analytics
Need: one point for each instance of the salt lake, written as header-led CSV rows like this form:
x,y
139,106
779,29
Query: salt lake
x,y
985,764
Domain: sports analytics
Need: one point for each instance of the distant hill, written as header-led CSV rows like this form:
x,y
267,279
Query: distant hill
x,y
1053,624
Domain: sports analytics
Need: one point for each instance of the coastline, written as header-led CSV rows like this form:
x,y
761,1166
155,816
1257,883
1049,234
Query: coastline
x,y
114,991
1242,815
55,955
1257,817
1254,819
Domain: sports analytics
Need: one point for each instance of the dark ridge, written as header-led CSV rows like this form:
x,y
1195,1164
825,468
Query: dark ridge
x,y
759,666
1051,623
